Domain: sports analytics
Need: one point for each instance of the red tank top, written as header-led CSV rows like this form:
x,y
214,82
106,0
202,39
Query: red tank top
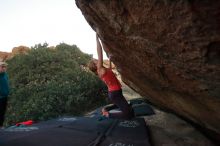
x,y
111,81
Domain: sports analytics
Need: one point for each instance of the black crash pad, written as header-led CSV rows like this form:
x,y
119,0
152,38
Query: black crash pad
x,y
78,131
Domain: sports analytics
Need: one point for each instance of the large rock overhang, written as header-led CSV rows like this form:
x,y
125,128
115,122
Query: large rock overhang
x,y
167,50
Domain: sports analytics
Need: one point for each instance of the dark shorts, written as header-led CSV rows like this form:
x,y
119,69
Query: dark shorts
x,y
117,98
3,105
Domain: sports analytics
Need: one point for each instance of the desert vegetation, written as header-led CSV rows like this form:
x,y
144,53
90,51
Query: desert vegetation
x,y
50,82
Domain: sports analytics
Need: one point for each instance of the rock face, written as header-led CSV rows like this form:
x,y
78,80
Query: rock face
x,y
15,51
20,50
167,50
4,56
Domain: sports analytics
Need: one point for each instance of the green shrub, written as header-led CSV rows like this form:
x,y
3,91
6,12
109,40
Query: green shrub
x,y
46,83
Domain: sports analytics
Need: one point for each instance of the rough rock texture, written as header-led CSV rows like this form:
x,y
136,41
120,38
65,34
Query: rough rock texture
x,y
15,51
20,50
167,129
167,50
4,56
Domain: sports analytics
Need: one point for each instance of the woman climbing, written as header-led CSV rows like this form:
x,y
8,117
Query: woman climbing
x,y
114,87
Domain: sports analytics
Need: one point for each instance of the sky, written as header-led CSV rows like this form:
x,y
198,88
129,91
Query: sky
x,y
30,22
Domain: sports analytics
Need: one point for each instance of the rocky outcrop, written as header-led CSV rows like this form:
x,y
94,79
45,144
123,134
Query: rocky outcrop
x,y
15,51
20,50
4,56
168,51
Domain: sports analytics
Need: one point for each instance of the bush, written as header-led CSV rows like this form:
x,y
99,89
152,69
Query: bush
x,y
46,83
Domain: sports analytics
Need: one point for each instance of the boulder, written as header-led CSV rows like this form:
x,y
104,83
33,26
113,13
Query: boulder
x,y
15,51
20,50
4,56
167,50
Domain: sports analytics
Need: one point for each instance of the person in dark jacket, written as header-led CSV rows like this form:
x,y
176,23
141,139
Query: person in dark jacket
x,y
4,91
114,87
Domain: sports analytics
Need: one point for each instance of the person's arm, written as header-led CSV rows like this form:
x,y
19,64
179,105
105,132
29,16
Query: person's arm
x,y
99,52
110,63
100,68
106,49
